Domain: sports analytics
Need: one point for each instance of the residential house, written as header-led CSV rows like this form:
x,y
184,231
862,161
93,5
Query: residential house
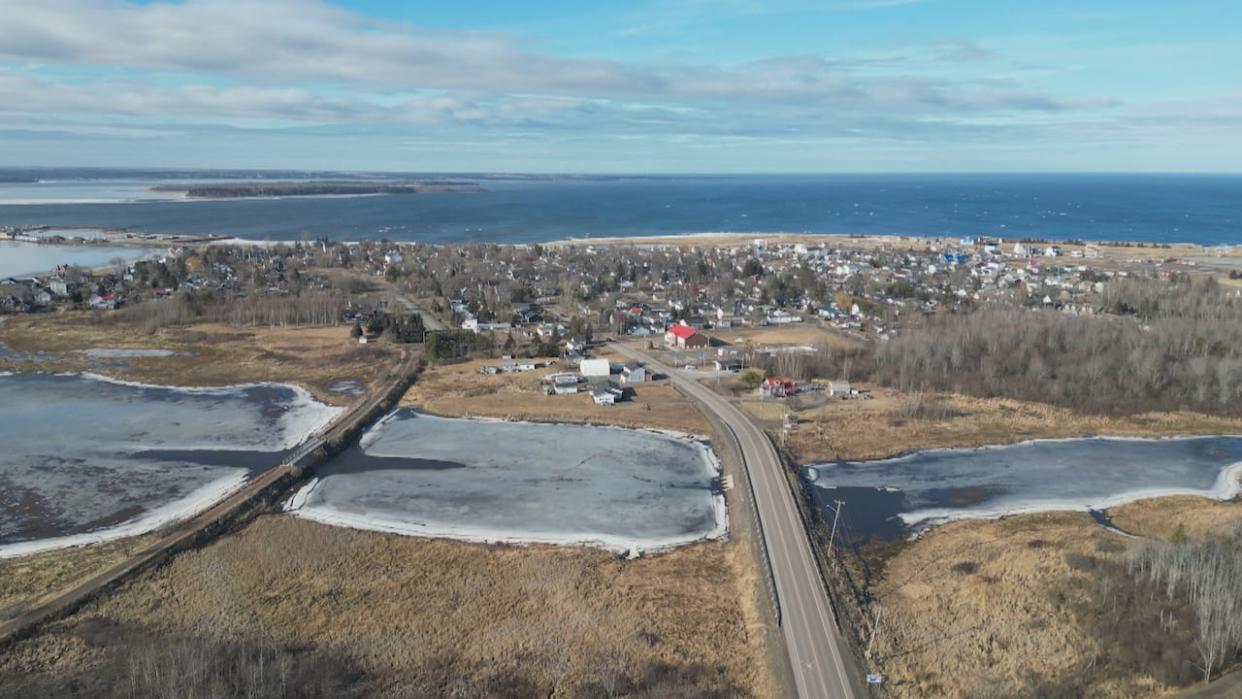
x,y
682,336
777,387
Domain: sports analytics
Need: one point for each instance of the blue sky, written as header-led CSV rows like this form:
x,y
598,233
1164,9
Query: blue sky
x,y
642,86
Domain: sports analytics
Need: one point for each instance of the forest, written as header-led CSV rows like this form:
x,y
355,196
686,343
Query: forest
x,y
1153,345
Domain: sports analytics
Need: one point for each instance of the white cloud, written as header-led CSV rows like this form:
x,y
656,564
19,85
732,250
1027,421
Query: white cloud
x,y
280,42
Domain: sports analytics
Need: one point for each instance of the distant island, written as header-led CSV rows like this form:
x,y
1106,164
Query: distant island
x,y
240,190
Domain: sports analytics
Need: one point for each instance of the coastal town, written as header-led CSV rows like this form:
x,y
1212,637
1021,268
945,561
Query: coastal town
x,y
869,349
857,285
835,348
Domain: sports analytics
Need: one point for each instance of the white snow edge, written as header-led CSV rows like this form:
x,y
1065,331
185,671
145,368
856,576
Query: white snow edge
x,y
1005,445
1226,487
327,514
316,414
197,501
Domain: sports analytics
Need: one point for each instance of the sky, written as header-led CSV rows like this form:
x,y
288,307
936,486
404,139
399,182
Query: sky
x,y
643,86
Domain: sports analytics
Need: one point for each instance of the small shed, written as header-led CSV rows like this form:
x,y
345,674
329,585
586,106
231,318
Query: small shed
x,y
633,373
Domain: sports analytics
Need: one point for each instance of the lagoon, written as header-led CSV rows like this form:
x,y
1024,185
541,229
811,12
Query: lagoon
x,y
88,459
496,481
888,497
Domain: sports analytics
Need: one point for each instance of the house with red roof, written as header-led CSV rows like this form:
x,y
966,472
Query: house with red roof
x,y
682,336
777,387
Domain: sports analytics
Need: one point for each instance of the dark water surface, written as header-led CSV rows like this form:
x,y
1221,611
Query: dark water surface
x,y
1203,209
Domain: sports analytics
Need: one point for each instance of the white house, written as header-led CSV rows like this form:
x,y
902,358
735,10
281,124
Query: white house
x,y
838,388
779,317
472,324
595,367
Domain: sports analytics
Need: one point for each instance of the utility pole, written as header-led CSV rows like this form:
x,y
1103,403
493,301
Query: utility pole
x,y
875,628
833,536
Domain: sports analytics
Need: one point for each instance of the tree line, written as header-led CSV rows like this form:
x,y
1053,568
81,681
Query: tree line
x,y
1208,576
308,308
1154,345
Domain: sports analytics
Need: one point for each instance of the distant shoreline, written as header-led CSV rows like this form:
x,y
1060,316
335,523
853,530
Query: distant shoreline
x,y
123,236
318,188
737,239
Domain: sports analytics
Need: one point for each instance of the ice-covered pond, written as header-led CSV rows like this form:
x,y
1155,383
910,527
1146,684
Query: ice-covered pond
x,y
88,459
888,496
488,480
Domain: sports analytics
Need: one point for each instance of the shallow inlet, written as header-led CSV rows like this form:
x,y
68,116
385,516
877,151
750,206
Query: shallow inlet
x,y
496,481
19,259
893,497
88,459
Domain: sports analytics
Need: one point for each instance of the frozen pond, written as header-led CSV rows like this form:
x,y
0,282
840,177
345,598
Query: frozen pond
x,y
19,259
485,480
88,459
885,497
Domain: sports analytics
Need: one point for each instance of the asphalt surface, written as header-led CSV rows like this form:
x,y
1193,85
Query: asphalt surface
x,y
816,652
430,321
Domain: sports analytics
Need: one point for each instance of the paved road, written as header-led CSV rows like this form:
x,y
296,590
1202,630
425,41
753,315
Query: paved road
x,y
430,321
816,652
65,601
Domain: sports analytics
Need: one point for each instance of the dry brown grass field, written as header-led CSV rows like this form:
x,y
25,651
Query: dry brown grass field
x,y
26,580
459,390
806,334
894,423
409,617
1039,606
209,354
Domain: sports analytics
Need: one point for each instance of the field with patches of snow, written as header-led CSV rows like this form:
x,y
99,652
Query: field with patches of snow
x,y
496,481
86,458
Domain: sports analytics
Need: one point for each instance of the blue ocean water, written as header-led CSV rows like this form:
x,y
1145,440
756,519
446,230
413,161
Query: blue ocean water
x,y
1204,209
